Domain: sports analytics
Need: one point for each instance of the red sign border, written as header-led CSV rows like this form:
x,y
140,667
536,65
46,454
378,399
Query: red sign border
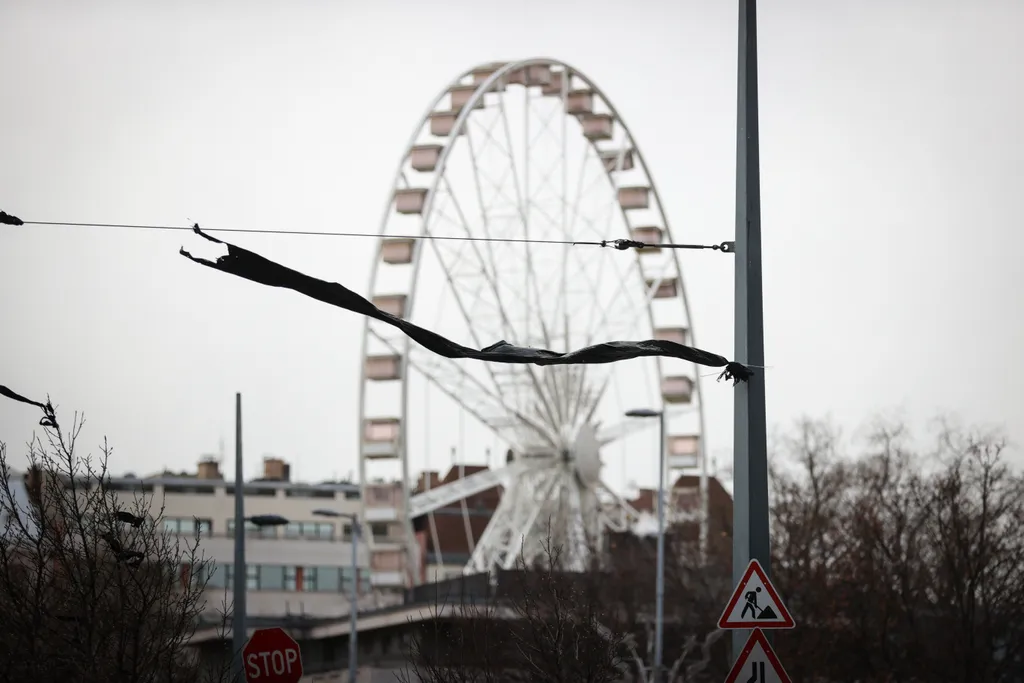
x,y
757,637
787,618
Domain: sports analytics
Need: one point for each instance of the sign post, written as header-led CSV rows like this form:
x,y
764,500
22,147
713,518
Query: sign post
x,y
272,656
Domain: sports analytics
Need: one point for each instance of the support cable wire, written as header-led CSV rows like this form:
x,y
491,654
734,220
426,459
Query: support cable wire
x,y
620,244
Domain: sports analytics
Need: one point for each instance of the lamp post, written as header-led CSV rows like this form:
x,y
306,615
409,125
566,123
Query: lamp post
x,y
751,538
238,628
659,591
353,629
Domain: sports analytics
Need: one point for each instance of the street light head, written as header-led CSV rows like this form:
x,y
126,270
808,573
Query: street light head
x,y
643,412
268,520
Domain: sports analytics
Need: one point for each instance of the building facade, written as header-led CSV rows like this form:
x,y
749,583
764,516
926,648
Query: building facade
x,y
303,567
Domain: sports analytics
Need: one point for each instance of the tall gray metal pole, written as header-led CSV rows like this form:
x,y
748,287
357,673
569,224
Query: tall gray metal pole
x,y
353,624
659,590
238,630
750,456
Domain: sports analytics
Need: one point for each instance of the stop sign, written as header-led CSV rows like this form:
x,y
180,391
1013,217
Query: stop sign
x,y
272,656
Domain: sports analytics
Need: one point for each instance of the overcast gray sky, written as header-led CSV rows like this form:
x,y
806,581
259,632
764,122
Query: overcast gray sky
x,y
891,181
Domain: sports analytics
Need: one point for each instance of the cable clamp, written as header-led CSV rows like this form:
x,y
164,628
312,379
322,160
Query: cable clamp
x,y
622,245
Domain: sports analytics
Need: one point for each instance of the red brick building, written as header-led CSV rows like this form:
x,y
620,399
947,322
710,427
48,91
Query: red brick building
x,y
446,548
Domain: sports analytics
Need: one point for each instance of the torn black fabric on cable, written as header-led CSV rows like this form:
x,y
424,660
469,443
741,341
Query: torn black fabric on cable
x,y
49,419
246,264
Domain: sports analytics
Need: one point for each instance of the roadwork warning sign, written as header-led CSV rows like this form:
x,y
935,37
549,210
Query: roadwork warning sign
x,y
755,603
757,663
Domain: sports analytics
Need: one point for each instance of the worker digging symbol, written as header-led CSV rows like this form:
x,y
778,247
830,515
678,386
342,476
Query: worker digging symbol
x,y
755,611
751,598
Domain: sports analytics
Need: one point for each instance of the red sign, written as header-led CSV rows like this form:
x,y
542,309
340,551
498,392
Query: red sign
x,y
272,656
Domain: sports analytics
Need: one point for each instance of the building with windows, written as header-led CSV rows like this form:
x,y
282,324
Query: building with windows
x,y
302,568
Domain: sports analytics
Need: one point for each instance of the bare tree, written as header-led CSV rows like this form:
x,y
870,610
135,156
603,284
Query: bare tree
x,y
91,590
900,565
544,624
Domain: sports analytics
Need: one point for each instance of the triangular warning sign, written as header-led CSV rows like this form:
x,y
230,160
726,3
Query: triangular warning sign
x,y
755,604
757,663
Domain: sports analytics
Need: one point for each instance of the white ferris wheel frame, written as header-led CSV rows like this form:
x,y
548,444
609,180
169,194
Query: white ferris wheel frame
x,y
409,506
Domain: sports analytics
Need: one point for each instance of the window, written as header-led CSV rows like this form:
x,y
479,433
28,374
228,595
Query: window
x,y
272,577
328,579
319,530
187,525
291,578
252,576
379,529
301,579
217,575
189,490
309,579
382,494
309,493
253,531
352,495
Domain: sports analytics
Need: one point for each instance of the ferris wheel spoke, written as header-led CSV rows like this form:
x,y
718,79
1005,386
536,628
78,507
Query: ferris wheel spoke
x,y
460,489
532,501
472,395
578,541
489,408
458,290
523,204
618,515
542,405
498,309
485,222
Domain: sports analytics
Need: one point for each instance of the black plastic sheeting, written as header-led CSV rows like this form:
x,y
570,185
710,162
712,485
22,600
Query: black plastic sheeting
x,y
246,264
48,419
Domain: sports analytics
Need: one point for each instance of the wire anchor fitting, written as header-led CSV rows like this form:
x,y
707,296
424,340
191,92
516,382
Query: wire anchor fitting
x,y
623,244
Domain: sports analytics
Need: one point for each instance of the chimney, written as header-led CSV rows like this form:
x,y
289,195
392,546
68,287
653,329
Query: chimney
x,y
209,468
428,480
276,469
34,485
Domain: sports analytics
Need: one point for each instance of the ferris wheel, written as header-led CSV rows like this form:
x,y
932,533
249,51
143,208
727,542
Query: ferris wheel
x,y
511,164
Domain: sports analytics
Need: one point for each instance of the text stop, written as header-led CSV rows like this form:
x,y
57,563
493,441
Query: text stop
x,y
265,664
